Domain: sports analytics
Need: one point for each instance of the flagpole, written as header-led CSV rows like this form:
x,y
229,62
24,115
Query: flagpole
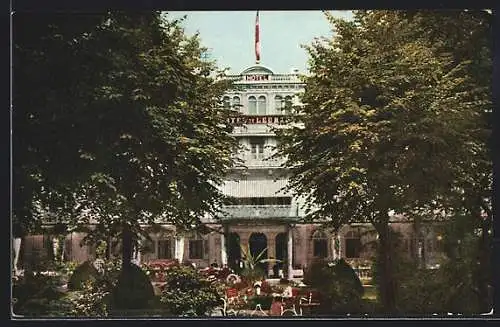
x,y
257,39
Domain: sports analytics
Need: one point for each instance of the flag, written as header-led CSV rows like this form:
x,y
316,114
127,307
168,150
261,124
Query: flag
x,y
257,41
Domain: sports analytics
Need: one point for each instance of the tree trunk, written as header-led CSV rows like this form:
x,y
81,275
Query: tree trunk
x,y
127,247
386,280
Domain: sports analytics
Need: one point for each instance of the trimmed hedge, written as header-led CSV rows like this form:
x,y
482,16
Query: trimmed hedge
x,y
133,290
83,273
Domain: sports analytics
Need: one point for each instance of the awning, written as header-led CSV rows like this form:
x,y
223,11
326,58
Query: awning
x,y
254,188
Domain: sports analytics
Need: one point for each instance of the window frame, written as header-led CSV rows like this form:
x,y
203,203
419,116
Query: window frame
x,y
320,244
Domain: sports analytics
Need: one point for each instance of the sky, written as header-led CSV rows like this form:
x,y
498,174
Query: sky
x,y
229,36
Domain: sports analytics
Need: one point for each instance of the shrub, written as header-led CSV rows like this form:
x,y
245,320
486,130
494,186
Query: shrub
x,y
39,295
83,273
186,293
253,274
133,289
339,286
94,299
264,301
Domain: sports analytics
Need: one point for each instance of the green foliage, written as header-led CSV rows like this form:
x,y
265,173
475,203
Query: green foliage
x,y
94,298
340,288
83,273
37,295
456,285
130,128
265,302
251,275
188,294
133,289
394,118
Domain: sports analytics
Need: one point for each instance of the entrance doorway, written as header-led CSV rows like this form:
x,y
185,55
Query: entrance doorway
x,y
233,252
281,254
258,244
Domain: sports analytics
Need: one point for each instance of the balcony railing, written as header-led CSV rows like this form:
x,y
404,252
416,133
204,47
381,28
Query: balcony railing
x,y
260,160
260,211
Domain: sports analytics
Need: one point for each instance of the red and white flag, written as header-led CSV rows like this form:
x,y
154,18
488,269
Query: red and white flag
x,y
257,41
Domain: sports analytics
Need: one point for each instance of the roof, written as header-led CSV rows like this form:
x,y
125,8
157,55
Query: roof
x,y
257,69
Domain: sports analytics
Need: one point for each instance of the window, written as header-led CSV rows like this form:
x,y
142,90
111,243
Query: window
x,y
352,245
236,103
257,147
165,249
198,248
226,103
278,103
262,105
320,244
252,105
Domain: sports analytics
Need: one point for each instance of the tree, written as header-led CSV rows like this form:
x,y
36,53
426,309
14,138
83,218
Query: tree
x,y
118,118
386,121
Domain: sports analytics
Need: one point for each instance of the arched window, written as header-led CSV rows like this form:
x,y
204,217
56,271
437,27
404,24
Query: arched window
x,y
226,103
252,105
352,245
236,102
278,103
320,244
262,105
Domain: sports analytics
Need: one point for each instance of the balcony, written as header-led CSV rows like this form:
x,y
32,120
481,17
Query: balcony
x,y
260,212
260,161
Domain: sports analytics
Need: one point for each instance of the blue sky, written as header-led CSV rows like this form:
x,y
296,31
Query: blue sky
x,y
230,36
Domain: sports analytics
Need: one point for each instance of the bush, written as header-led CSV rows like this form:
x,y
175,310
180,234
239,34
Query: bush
x,y
338,284
252,275
94,299
82,274
186,293
39,296
263,300
133,289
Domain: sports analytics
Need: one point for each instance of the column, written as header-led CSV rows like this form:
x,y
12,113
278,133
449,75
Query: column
x,y
223,250
179,248
332,246
17,250
271,252
290,253
339,241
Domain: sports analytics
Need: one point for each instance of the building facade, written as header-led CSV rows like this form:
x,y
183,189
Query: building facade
x,y
261,216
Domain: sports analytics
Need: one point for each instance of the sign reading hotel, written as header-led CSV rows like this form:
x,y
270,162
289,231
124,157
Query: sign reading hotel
x,y
257,77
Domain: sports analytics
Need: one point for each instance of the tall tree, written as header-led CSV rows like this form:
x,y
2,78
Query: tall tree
x,y
386,120
117,116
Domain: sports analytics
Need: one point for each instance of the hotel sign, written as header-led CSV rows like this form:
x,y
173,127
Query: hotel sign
x,y
257,77
278,119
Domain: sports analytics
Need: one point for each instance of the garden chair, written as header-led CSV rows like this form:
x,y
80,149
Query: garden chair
x,y
289,303
309,302
258,310
234,301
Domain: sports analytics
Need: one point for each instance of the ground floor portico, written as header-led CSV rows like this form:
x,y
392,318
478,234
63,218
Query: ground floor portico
x,y
295,245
